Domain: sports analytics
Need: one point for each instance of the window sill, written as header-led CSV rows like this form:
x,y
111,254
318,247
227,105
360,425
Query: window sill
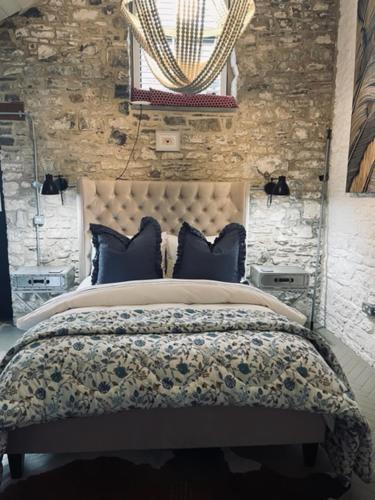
x,y
193,109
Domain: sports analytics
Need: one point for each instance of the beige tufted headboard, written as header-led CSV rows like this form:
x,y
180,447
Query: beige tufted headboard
x,y
209,206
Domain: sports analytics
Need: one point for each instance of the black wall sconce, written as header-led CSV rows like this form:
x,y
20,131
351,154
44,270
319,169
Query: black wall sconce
x,y
53,186
279,188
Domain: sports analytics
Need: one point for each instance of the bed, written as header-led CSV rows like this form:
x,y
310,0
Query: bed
x,y
83,327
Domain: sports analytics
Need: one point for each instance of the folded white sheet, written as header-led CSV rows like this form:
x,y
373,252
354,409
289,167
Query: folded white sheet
x,y
162,291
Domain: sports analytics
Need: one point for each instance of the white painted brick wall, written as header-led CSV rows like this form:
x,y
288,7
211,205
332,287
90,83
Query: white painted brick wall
x,y
351,219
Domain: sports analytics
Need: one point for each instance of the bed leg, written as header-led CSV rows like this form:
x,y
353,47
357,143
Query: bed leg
x,y
16,465
310,453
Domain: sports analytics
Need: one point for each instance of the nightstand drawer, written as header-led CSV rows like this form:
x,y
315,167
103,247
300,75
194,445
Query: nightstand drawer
x,y
38,282
46,279
268,277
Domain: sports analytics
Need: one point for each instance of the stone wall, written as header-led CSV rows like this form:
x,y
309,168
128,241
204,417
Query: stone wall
x,y
70,66
351,224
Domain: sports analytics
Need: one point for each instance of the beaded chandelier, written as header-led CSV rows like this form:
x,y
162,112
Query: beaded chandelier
x,y
174,50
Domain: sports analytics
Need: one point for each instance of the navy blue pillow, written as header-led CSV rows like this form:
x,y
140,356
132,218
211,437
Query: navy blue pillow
x,y
119,258
222,260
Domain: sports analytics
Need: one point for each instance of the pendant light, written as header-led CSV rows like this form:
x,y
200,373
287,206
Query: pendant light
x,y
181,65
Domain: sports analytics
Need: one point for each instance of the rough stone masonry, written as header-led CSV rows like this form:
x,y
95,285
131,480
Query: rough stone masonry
x,y
68,61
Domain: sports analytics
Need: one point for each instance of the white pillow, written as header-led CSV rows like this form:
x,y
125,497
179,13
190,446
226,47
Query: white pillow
x,y
171,248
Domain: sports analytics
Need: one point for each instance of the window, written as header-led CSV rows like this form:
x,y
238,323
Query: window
x,y
143,77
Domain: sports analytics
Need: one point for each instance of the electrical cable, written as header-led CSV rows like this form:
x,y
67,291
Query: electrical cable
x,y
120,177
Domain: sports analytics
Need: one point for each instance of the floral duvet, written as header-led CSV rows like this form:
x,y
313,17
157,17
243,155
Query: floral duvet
x,y
94,361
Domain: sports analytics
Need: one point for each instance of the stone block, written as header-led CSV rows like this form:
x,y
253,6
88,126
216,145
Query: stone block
x,y
5,130
108,10
174,120
122,91
321,6
64,122
89,49
148,154
47,53
155,174
33,12
206,124
4,36
303,231
123,107
82,123
324,40
76,98
118,58
118,137
11,188
300,134
311,210
43,34
12,71
171,156
12,98
142,117
83,15
6,141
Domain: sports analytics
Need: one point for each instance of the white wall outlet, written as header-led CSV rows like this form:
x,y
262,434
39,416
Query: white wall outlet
x,y
39,220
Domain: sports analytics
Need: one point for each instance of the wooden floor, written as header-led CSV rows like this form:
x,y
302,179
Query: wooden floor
x,y
361,377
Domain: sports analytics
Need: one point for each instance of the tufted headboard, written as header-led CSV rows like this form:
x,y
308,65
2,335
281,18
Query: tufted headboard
x,y
209,206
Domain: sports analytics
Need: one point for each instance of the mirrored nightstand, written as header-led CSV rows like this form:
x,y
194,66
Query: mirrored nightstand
x,y
290,284
41,283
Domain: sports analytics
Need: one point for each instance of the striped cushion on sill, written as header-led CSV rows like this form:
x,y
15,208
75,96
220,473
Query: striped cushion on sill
x,y
160,98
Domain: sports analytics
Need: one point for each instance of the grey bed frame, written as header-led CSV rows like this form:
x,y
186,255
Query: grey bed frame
x,y
209,206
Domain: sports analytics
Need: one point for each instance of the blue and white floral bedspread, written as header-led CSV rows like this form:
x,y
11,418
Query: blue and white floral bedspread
x,y
82,363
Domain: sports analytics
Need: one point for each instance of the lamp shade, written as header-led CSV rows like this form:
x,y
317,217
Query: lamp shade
x,y
49,187
281,187
61,183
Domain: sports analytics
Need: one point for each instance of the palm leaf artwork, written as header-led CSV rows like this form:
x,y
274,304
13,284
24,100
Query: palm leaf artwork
x,y
361,169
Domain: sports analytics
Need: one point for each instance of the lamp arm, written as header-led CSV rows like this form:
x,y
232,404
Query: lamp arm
x,y
38,218
36,183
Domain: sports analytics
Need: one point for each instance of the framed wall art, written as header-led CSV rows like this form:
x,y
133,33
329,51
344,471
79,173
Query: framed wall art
x,y
361,167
